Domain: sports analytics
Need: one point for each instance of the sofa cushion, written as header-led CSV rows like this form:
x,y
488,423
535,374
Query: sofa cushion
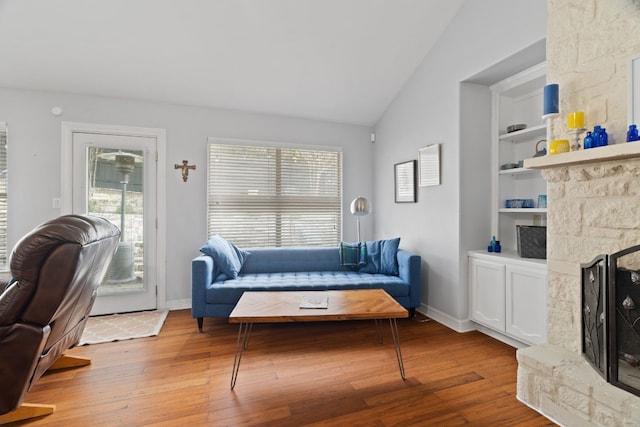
x,y
382,257
229,291
276,260
227,258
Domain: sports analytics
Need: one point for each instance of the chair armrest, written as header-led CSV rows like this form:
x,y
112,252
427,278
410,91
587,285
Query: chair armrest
x,y
201,278
410,270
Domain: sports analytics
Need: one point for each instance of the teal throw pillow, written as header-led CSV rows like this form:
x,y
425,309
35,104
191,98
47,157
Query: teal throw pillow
x,y
353,254
382,257
227,257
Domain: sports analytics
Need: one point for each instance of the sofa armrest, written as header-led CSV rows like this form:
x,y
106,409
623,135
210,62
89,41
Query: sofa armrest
x,y
410,270
201,277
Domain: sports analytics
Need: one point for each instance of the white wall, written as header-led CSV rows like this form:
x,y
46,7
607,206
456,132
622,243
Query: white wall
x,y
35,156
428,111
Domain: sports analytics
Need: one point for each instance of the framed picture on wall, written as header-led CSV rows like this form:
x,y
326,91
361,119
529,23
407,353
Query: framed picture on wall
x,y
429,157
405,182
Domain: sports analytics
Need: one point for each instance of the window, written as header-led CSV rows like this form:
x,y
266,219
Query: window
x,y
3,198
263,195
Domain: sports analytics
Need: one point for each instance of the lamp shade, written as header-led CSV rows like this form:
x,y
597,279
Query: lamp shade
x,y
360,207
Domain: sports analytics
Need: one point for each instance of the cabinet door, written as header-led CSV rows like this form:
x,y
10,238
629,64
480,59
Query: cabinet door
x,y
487,289
526,292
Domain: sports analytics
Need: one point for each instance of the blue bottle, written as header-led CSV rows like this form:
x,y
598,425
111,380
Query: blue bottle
x,y
596,133
632,133
603,138
588,141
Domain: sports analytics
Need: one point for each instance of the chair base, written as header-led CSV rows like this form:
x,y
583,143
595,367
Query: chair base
x,y
65,362
27,411
32,410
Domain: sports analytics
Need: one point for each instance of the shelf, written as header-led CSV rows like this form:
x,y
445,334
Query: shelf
x,y
509,256
625,150
516,171
525,134
523,210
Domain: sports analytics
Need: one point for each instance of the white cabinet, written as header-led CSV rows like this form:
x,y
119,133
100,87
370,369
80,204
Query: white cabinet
x,y
517,100
509,296
526,308
487,293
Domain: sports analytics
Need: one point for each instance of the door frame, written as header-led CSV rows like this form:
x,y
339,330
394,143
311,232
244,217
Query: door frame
x,y
66,195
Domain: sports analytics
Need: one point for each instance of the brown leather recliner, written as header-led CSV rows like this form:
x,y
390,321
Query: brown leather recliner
x,y
56,270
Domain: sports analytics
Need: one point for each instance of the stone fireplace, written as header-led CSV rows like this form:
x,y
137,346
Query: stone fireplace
x,y
593,209
593,205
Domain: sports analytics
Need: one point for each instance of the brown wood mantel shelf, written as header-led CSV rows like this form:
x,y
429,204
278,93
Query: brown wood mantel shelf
x,y
626,150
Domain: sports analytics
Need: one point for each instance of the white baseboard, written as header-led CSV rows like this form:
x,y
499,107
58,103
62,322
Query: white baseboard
x,y
179,304
450,322
463,326
500,337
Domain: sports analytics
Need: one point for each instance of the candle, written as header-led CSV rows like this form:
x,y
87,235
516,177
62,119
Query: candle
x,y
575,120
551,97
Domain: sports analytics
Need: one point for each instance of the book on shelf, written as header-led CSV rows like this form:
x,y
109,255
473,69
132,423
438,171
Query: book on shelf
x,y
315,301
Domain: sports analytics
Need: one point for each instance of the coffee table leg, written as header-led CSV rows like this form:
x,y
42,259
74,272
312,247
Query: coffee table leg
x,y
243,338
396,342
378,331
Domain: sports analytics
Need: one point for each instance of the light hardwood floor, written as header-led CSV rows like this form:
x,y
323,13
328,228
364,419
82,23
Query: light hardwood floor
x,y
321,374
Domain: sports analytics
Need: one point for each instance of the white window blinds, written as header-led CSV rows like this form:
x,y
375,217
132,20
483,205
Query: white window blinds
x,y
271,196
3,198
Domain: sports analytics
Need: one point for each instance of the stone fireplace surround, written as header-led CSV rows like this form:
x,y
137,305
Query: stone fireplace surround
x,y
594,207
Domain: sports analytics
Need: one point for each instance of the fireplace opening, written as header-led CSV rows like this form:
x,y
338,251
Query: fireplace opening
x,y
611,317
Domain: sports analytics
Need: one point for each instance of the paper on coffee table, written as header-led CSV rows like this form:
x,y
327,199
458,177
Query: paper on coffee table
x,y
314,301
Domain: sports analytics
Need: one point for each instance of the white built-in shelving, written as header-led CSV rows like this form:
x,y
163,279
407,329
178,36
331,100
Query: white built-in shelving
x,y
507,293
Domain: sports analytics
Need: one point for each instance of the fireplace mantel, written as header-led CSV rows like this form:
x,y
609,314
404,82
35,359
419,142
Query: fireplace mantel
x,y
600,154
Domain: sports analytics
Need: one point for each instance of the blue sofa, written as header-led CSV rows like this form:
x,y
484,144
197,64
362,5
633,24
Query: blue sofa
x,y
300,269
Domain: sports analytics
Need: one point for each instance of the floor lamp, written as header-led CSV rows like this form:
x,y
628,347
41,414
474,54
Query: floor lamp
x,y
360,207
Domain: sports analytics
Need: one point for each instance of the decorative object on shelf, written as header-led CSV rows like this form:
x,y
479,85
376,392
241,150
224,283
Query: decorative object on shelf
x,y
588,141
575,123
575,120
513,203
515,128
542,201
551,101
429,157
558,146
531,241
508,166
632,134
575,138
360,206
540,151
405,182
600,136
551,107
185,166
494,245
519,203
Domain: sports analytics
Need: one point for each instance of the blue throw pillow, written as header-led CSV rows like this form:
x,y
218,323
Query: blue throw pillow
x,y
382,257
227,258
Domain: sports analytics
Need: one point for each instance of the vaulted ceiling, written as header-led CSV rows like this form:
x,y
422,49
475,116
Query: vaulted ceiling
x,y
335,60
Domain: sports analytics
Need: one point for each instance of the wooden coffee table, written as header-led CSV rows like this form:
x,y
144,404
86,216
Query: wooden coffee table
x,y
279,307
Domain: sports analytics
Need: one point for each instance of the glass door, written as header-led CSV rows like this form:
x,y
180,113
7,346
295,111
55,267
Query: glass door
x,y
114,179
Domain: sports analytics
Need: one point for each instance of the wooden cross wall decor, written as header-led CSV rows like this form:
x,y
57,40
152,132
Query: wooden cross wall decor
x,y
185,166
